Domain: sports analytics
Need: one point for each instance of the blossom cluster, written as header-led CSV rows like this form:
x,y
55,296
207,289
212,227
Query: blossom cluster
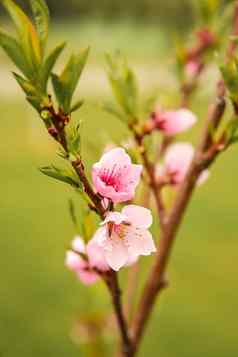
x,y
124,236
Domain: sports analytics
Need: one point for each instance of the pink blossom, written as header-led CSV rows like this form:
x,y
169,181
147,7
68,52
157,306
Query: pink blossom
x,y
174,122
115,177
177,160
193,68
125,236
86,260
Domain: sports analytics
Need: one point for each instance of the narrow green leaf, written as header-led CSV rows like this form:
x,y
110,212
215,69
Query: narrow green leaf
x,y
26,85
73,137
35,102
110,109
72,214
62,175
123,83
65,84
27,34
49,63
33,96
41,16
58,88
76,106
14,51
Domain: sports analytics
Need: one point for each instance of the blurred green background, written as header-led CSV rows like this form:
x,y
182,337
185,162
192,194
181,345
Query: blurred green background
x,y
39,299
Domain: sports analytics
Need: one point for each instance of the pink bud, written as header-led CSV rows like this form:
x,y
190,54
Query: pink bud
x,y
177,161
86,261
193,68
174,122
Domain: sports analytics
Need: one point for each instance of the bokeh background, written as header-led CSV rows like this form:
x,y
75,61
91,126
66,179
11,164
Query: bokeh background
x,y
40,301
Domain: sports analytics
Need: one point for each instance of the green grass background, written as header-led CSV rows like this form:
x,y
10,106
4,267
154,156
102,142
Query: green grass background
x,y
39,299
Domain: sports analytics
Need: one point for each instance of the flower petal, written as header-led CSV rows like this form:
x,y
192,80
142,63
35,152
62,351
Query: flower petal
x,y
138,216
140,242
115,217
177,160
117,254
174,122
101,236
87,277
74,262
96,255
117,155
78,245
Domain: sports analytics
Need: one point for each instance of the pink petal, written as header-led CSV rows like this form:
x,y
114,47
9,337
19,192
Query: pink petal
x,y
132,178
74,262
116,253
192,68
175,122
100,186
177,160
138,216
78,245
115,217
140,242
88,277
132,259
117,155
101,236
96,256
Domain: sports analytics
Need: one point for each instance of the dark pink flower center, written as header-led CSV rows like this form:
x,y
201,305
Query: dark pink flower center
x,y
113,176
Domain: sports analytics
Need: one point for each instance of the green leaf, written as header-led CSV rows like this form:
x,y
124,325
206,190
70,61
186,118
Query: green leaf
x,y
27,35
123,83
73,137
33,95
65,84
14,51
49,64
63,175
72,214
110,109
207,8
41,16
76,106
149,104
230,75
231,130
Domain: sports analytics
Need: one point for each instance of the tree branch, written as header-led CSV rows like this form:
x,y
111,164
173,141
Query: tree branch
x,y
150,169
156,280
112,283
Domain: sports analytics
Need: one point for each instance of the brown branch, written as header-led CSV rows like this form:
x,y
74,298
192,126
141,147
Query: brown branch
x,y
150,169
112,283
79,168
156,280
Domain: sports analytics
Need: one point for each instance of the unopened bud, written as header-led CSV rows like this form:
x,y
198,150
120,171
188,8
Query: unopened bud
x,y
45,114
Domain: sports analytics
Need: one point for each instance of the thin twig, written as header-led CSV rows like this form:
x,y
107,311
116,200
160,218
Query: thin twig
x,y
113,286
150,169
156,280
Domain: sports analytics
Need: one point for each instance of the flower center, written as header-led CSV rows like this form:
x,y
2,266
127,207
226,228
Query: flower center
x,y
112,176
118,229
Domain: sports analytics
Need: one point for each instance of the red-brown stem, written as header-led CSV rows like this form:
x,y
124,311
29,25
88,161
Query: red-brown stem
x,y
79,168
150,169
60,120
156,279
113,286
